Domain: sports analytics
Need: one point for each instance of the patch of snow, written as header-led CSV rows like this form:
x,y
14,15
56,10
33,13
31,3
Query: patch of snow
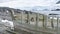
x,y
8,23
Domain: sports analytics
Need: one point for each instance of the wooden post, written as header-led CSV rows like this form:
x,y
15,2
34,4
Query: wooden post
x,y
29,17
37,19
12,14
43,21
52,25
22,17
36,22
57,24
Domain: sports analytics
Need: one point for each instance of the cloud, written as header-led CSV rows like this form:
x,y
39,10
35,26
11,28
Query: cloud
x,y
2,1
28,3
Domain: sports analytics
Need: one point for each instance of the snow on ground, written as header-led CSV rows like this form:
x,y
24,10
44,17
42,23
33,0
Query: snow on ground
x,y
8,23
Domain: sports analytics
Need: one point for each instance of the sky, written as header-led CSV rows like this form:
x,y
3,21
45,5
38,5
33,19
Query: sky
x,y
1,1
27,3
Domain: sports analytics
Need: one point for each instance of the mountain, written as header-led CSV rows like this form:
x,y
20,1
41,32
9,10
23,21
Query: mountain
x,y
37,8
40,8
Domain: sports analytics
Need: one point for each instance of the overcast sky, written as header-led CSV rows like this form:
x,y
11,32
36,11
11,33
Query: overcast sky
x,y
6,1
27,3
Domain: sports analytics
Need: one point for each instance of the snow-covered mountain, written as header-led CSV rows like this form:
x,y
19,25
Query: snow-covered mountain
x,y
40,8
